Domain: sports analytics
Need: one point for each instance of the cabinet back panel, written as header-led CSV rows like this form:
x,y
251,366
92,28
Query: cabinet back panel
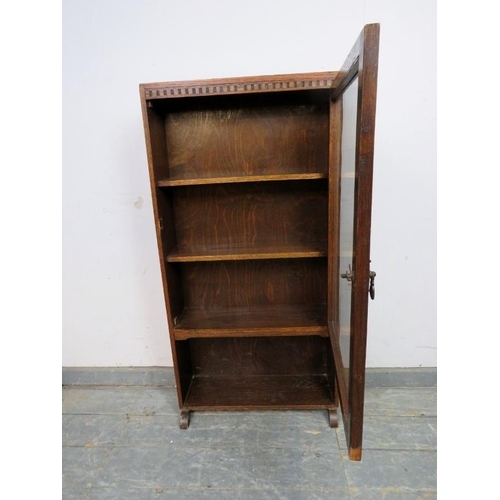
x,y
251,215
249,283
249,135
246,356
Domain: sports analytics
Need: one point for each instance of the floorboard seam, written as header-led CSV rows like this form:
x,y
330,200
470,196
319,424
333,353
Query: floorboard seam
x,y
346,481
136,436
106,460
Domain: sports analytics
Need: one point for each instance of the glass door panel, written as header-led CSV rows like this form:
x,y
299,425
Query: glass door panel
x,y
346,233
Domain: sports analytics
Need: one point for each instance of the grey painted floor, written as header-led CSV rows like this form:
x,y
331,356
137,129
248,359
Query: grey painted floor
x,y
125,443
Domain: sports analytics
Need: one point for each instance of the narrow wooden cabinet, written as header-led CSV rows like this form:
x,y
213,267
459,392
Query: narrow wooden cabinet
x,y
261,190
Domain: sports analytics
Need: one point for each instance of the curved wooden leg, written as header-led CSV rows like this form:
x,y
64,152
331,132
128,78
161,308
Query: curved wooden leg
x,y
184,419
333,418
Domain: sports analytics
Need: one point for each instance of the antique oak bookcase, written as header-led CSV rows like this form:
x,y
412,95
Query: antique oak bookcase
x,y
261,190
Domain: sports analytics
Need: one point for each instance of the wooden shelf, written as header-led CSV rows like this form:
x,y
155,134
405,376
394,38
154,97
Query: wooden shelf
x,y
259,392
263,321
240,178
204,254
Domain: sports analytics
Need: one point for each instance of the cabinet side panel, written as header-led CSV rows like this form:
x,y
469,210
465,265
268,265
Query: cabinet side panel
x,y
156,153
157,139
168,243
330,373
183,355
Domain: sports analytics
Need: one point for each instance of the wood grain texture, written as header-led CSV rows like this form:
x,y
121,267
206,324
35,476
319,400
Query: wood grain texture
x,y
362,62
241,178
249,283
349,70
245,185
368,71
335,159
261,372
331,369
252,321
265,136
334,170
254,215
168,243
215,253
260,392
183,359
238,85
155,150
245,356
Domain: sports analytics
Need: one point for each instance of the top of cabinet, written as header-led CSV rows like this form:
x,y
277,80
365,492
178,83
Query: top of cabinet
x,y
238,85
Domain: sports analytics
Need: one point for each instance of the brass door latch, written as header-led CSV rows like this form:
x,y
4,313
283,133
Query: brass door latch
x,y
372,284
348,275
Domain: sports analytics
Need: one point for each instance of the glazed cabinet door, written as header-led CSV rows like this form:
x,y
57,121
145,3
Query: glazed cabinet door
x,y
352,127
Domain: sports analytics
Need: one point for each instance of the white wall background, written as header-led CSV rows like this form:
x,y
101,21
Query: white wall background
x,y
114,313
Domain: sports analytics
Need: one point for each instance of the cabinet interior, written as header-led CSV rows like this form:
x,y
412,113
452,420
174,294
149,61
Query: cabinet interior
x,y
241,184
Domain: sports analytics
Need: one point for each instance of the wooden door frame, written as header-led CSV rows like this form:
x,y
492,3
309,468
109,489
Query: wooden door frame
x,y
362,62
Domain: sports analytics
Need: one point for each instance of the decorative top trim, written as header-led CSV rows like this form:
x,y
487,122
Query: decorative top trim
x,y
239,85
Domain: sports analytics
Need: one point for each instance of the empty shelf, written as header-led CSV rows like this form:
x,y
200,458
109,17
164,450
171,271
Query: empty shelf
x,y
240,178
259,392
204,254
285,320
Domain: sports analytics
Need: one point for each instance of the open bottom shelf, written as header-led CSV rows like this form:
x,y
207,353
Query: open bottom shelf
x,y
260,392
286,320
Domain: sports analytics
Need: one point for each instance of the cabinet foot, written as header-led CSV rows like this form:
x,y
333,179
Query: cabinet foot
x,y
333,418
184,419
